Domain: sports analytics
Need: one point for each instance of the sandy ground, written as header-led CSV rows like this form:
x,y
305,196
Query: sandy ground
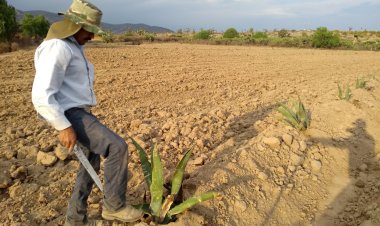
x,y
222,100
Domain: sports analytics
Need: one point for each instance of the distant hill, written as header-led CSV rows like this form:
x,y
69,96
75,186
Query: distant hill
x,y
115,28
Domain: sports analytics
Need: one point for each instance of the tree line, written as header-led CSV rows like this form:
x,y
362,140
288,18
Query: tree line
x,y
35,27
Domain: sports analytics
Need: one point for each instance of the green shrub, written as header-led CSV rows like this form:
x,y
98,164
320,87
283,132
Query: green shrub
x,y
203,34
370,45
141,32
295,115
107,37
322,38
259,35
231,33
347,44
128,33
283,33
150,37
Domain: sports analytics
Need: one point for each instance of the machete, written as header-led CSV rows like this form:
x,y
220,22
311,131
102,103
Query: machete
x,y
87,165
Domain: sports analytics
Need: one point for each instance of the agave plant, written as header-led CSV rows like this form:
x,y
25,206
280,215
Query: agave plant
x,y
360,83
296,115
162,211
347,93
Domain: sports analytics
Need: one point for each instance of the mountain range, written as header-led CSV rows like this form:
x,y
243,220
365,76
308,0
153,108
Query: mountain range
x,y
115,28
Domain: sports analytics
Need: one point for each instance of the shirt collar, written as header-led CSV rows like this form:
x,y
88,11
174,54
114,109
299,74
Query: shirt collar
x,y
71,38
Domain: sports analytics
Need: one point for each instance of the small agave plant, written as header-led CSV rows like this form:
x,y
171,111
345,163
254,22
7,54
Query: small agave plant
x,y
346,95
295,115
162,212
360,83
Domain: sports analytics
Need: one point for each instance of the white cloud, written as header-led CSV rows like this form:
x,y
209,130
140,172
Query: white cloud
x,y
275,12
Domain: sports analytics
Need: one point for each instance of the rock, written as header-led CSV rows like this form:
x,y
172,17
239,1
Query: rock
x,y
8,154
161,113
295,146
317,156
20,173
198,161
186,131
46,159
135,123
287,138
262,176
42,197
240,205
230,134
15,191
260,147
292,168
363,167
360,184
94,199
303,145
272,142
5,180
144,129
200,143
315,166
10,131
243,153
22,153
280,170
32,152
295,159
259,125
61,152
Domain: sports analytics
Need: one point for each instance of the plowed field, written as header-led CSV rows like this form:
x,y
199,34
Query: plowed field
x,y
222,101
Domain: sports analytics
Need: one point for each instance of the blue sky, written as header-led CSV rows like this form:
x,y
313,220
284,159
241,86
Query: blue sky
x,y
222,14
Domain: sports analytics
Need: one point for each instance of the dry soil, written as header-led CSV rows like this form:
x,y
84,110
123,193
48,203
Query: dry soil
x,y
222,101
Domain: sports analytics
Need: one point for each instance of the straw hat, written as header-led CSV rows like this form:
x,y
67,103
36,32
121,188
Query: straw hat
x,y
81,14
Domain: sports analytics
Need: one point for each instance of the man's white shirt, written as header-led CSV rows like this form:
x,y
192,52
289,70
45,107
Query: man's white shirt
x,y
64,79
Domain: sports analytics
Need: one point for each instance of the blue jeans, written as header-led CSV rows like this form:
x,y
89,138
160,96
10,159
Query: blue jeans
x,y
99,140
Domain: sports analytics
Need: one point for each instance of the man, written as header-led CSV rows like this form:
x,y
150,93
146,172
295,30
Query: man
x,y
62,93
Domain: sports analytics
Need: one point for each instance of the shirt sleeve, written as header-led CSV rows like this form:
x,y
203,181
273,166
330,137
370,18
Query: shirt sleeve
x,y
51,61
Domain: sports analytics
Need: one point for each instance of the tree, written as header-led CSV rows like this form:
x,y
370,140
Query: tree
x,y
323,38
230,33
203,34
8,23
283,33
36,27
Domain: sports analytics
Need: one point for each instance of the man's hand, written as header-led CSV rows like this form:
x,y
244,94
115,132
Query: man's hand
x,y
68,138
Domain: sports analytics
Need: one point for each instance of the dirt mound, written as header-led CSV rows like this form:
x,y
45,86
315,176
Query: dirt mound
x,y
222,101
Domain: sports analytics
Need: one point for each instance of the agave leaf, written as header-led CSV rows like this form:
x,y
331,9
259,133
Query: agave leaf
x,y
145,164
179,171
190,202
157,186
303,115
348,93
340,92
166,206
288,114
291,123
